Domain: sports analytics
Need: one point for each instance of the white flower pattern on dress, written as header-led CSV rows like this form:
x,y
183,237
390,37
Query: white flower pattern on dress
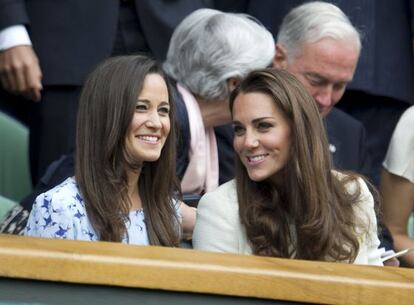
x,y
61,213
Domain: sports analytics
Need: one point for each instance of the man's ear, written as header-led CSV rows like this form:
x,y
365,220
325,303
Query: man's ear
x,y
280,58
232,83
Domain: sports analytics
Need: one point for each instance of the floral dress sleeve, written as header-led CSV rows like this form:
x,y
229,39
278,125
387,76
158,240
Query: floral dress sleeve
x,y
56,214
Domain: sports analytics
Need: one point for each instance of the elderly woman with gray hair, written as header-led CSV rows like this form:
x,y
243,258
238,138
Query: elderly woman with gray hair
x,y
209,52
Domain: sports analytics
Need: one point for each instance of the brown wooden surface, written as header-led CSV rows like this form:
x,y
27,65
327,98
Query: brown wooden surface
x,y
203,272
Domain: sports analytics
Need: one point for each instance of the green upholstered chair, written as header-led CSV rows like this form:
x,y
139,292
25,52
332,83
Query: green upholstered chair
x,y
5,206
15,182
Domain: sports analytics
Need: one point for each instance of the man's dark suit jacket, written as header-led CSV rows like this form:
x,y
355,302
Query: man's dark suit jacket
x,y
71,37
346,138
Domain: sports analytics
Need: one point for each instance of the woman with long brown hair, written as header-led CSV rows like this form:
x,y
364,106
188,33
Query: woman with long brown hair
x,y
124,183
286,200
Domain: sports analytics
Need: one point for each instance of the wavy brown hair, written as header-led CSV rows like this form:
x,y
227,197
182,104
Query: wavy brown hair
x,y
106,108
309,214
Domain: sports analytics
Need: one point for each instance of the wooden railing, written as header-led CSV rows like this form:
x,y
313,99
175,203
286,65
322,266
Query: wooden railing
x,y
184,270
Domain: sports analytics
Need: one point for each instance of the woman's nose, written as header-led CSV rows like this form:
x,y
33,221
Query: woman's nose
x,y
154,121
251,140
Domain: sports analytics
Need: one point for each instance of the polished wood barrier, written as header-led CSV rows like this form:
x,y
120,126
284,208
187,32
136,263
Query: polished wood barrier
x,y
202,272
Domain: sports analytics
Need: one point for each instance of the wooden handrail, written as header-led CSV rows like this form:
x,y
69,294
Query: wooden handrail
x,y
187,270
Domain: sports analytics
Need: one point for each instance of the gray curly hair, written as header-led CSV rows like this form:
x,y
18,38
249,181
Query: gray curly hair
x,y
208,47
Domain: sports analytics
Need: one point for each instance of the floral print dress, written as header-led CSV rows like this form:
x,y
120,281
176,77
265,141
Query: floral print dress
x,y
60,213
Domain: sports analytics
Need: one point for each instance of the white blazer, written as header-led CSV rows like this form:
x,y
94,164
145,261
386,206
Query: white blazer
x,y
218,226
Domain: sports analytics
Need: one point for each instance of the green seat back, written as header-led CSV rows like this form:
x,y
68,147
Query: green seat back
x,y
15,182
5,206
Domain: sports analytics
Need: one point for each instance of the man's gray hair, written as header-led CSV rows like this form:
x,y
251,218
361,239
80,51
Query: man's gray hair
x,y
314,21
208,47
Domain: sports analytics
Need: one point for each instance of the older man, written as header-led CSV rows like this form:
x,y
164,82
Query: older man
x,y
320,46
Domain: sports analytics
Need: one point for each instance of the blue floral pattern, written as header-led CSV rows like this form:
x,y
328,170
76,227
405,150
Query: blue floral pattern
x,y
60,213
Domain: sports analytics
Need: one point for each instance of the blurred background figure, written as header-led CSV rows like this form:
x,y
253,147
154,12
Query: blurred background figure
x,y
397,186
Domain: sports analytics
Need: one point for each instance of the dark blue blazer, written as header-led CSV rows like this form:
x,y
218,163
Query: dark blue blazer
x,y
347,144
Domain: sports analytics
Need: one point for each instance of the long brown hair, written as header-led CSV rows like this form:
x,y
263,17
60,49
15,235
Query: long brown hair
x,y
106,108
310,214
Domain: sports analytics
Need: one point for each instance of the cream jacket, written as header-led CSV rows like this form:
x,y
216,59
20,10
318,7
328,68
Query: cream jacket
x,y
218,226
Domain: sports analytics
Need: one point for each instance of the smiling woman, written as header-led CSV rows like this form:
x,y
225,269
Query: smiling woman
x,y
262,135
286,200
124,183
150,123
